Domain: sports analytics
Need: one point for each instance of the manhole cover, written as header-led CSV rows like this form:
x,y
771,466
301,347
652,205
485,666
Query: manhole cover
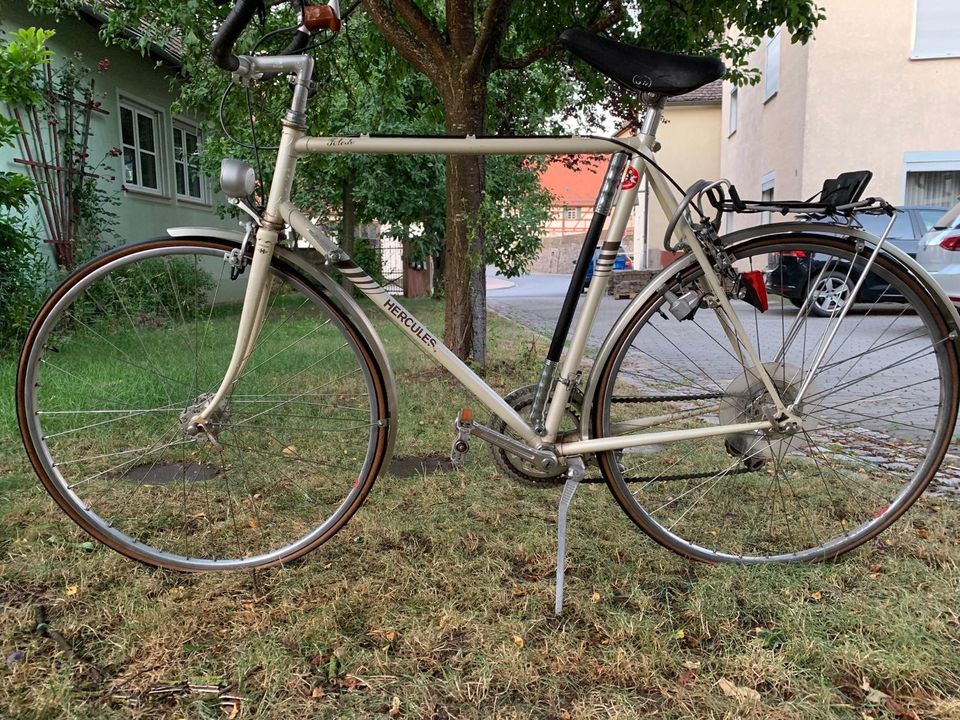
x,y
169,473
420,465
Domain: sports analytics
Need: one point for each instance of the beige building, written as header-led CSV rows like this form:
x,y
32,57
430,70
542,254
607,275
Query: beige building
x,y
690,150
874,90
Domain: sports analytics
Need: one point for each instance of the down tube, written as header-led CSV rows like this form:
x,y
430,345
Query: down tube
x,y
427,341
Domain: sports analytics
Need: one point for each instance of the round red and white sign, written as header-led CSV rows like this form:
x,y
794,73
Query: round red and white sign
x,y
631,179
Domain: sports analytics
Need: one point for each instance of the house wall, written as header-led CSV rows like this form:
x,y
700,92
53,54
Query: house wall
x,y
769,136
139,216
690,150
852,99
871,104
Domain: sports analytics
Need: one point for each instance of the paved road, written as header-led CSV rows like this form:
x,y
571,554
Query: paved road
x,y
687,347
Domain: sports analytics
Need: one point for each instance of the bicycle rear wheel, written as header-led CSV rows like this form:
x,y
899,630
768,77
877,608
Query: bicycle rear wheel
x,y
876,420
133,344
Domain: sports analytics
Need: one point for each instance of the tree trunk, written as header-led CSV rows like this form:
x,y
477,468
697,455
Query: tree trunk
x,y
348,225
464,102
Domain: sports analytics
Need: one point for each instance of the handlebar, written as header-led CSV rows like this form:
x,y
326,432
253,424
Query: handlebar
x,y
325,17
240,16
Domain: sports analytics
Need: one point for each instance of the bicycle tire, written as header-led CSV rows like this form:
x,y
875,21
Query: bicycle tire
x,y
136,326
732,518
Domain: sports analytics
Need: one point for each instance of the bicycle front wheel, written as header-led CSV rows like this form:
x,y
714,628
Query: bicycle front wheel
x,y
132,345
876,418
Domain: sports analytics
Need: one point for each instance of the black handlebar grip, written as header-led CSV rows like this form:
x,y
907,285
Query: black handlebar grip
x,y
238,19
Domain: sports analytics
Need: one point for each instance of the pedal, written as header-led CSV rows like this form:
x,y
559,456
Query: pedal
x,y
461,443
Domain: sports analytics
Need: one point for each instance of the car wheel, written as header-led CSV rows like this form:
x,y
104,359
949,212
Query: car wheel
x,y
830,295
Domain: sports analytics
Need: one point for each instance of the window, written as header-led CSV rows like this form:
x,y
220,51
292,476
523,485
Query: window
x,y
140,140
191,184
571,213
732,117
771,70
936,29
876,224
931,179
938,188
767,183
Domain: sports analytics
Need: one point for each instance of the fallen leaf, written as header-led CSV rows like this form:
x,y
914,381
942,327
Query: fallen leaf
x,y
687,677
595,597
691,664
72,589
744,694
394,710
234,711
899,711
680,634
873,696
818,596
317,692
252,523
289,450
922,533
518,641
391,635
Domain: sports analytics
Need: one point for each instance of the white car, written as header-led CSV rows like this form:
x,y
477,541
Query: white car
x,y
939,252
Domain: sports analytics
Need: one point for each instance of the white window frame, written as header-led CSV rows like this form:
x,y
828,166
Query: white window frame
x,y
156,117
771,71
918,51
767,182
183,126
732,111
928,161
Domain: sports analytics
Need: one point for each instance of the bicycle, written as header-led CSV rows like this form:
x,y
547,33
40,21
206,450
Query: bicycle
x,y
207,442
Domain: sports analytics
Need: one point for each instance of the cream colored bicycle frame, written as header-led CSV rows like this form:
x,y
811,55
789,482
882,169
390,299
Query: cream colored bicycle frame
x,y
281,212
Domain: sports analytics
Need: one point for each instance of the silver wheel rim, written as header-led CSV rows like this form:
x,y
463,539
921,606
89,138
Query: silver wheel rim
x,y
67,489
651,516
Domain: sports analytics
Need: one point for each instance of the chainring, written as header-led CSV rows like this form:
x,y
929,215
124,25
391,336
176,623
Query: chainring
x,y
517,468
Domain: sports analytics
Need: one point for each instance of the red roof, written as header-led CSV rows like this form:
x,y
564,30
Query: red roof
x,y
576,188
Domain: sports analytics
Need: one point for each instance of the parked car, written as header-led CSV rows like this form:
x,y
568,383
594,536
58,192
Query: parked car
x,y
939,252
788,273
621,262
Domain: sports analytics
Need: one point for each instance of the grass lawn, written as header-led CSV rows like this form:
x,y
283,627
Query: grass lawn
x,y
436,601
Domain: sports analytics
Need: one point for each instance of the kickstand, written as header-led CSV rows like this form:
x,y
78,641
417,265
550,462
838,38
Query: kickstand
x,y
575,473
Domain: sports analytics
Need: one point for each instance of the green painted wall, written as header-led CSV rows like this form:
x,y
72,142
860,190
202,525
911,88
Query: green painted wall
x,y
139,216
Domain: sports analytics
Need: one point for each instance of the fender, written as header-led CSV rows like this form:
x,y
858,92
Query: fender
x,y
732,241
332,289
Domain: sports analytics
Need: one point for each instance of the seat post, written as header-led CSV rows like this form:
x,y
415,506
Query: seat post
x,y
650,120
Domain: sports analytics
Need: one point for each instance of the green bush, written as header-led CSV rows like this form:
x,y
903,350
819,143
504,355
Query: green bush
x,y
23,284
151,292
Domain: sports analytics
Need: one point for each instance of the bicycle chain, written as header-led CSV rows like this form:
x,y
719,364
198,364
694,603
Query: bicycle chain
x,y
665,398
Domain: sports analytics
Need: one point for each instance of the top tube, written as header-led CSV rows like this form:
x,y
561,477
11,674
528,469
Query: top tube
x,y
466,145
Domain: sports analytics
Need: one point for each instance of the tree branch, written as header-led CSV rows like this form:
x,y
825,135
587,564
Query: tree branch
x,y
495,19
549,48
461,26
422,27
401,39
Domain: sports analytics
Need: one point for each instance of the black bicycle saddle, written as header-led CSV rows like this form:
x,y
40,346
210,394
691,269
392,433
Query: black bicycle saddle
x,y
640,69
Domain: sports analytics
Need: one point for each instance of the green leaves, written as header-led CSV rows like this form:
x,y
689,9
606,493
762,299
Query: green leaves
x,y
20,60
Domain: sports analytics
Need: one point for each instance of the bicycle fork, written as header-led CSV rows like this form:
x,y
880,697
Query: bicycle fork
x,y
251,320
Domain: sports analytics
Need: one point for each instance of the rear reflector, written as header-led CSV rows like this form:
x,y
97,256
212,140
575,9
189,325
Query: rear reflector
x,y
755,291
794,253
